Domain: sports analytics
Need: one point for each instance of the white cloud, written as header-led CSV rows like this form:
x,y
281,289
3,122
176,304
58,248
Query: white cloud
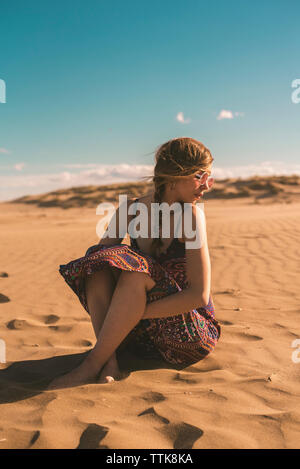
x,y
17,185
19,166
265,168
180,118
77,165
4,150
224,114
12,186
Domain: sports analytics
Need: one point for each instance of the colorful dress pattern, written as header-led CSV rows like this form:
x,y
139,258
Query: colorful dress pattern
x,y
182,339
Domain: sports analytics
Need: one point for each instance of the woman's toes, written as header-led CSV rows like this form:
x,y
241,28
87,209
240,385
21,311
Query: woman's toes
x,y
109,379
106,379
109,373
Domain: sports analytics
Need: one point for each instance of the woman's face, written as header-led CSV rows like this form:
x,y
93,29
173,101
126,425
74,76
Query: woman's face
x,y
192,188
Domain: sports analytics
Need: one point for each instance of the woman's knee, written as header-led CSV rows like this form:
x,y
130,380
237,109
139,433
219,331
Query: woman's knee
x,y
116,273
101,278
138,278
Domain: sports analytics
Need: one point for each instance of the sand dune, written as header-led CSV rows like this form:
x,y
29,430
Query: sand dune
x,y
257,189
245,395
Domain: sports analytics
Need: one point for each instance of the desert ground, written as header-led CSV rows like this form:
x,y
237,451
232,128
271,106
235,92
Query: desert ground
x,y
244,395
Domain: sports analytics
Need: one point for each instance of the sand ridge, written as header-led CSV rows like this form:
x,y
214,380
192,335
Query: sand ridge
x,y
257,189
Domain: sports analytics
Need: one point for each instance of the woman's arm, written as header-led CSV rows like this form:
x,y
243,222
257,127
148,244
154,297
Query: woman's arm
x,y
198,272
171,305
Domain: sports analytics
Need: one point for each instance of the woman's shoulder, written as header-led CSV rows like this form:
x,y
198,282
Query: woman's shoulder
x,y
145,199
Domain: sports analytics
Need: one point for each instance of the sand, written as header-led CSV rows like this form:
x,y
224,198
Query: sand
x,y
244,395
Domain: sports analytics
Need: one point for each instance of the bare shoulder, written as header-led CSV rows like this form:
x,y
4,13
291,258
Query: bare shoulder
x,y
117,225
145,199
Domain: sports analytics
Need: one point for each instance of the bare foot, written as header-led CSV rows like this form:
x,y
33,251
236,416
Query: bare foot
x,y
110,372
83,374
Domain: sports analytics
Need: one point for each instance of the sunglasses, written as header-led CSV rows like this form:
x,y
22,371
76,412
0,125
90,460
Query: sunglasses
x,y
204,178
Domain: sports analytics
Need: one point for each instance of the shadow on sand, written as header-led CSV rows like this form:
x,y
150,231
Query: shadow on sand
x,y
28,378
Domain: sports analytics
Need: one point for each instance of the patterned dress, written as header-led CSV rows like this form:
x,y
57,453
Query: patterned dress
x,y
182,339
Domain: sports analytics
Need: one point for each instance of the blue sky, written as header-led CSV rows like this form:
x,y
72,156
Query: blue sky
x,y
93,87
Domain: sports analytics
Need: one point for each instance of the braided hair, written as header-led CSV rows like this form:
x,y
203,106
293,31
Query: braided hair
x,y
159,189
177,158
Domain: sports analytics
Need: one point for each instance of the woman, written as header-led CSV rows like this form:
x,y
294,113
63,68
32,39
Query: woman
x,y
153,296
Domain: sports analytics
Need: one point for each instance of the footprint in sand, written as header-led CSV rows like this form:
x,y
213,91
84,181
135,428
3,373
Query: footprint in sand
x,y
179,377
229,291
4,298
61,328
182,435
19,439
154,415
83,343
92,436
17,324
153,397
51,319
3,274
226,323
34,438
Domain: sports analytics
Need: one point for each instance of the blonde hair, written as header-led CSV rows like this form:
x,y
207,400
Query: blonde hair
x,y
177,158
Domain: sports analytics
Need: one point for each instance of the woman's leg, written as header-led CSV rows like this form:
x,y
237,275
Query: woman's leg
x,y
125,311
99,288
